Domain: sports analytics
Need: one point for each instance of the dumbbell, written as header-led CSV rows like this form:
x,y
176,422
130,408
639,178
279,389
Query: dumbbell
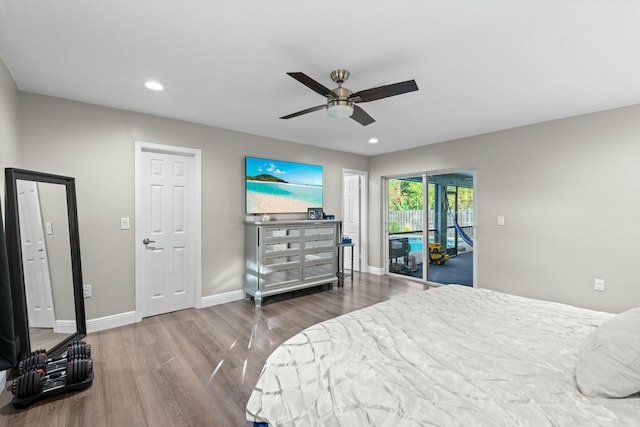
x,y
36,381
38,358
78,350
35,360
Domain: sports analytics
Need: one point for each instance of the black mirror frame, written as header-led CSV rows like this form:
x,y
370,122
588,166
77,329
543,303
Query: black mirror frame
x,y
21,321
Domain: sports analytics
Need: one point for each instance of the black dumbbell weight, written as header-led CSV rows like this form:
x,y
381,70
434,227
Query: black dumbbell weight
x,y
36,381
27,384
78,350
78,370
37,359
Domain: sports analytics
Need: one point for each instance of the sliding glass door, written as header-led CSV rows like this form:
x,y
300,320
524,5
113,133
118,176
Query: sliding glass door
x,y
430,227
406,231
450,226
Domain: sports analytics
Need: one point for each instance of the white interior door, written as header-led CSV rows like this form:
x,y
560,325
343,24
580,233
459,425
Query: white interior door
x,y
37,278
351,224
166,221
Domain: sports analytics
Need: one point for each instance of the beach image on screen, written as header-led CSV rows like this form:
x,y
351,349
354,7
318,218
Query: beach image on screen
x,y
274,186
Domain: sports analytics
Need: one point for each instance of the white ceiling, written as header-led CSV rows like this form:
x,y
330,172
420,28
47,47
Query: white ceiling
x,y
481,66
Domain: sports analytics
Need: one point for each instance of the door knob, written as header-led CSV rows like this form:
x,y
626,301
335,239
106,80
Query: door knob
x,y
147,241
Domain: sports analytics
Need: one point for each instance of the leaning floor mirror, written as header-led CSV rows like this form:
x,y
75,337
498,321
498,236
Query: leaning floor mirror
x,y
44,261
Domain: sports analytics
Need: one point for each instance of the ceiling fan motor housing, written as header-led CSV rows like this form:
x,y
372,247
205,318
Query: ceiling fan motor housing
x,y
341,102
340,76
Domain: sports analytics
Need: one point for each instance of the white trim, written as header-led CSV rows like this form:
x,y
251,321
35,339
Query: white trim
x,y
65,327
196,153
109,322
3,379
425,176
364,209
474,233
377,270
223,298
130,317
385,224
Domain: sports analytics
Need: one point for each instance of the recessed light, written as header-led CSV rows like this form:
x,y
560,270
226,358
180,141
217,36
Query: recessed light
x,y
153,85
373,141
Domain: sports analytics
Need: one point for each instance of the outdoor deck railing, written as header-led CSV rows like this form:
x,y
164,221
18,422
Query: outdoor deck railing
x,y
413,220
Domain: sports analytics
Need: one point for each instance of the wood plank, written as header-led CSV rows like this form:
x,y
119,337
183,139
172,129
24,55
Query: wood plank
x,y
194,367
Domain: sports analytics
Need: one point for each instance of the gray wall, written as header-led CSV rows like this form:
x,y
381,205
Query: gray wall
x,y
570,195
96,146
567,189
9,145
9,140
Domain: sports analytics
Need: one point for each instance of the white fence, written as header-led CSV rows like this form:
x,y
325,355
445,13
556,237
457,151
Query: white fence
x,y
412,220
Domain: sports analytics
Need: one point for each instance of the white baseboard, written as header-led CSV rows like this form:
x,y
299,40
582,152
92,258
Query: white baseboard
x,y
376,270
223,298
113,321
3,379
128,318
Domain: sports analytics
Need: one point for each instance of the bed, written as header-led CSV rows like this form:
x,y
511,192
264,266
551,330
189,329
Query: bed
x,y
455,355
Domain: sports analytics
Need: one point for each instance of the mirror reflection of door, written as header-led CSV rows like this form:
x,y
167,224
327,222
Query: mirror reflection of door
x,y
37,276
44,261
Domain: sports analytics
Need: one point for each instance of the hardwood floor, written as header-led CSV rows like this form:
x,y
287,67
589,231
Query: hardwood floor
x,y
194,367
45,337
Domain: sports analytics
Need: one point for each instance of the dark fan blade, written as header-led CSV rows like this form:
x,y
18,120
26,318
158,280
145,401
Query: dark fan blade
x,y
308,110
361,116
313,85
386,91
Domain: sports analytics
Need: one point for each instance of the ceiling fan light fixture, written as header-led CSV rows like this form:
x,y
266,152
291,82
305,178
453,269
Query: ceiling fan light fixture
x,y
340,108
341,100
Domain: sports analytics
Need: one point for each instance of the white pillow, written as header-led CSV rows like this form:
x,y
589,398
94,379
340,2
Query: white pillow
x,y
609,360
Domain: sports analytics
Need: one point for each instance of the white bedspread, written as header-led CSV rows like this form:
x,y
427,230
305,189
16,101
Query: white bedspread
x,y
443,357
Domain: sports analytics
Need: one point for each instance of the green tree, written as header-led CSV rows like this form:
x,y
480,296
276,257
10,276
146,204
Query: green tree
x,y
405,195
394,227
465,198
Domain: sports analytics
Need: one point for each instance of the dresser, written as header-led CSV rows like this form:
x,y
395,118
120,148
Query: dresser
x,y
282,256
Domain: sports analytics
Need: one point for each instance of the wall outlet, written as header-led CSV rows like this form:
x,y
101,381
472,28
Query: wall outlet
x,y
599,285
500,220
86,291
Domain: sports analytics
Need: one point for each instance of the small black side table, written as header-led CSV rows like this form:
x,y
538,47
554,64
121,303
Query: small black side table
x,y
341,274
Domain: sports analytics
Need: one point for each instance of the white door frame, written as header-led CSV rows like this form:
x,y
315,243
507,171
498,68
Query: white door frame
x,y
385,223
364,228
196,153
385,226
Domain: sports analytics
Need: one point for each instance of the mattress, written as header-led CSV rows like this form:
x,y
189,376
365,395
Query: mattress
x,y
443,357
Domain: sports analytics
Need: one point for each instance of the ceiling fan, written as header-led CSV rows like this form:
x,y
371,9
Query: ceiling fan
x,y
341,101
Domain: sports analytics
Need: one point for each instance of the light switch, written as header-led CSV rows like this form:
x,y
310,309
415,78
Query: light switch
x,y
124,224
500,220
49,227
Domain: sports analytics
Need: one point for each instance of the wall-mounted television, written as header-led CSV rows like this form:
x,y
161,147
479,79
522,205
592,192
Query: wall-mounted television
x,y
276,186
